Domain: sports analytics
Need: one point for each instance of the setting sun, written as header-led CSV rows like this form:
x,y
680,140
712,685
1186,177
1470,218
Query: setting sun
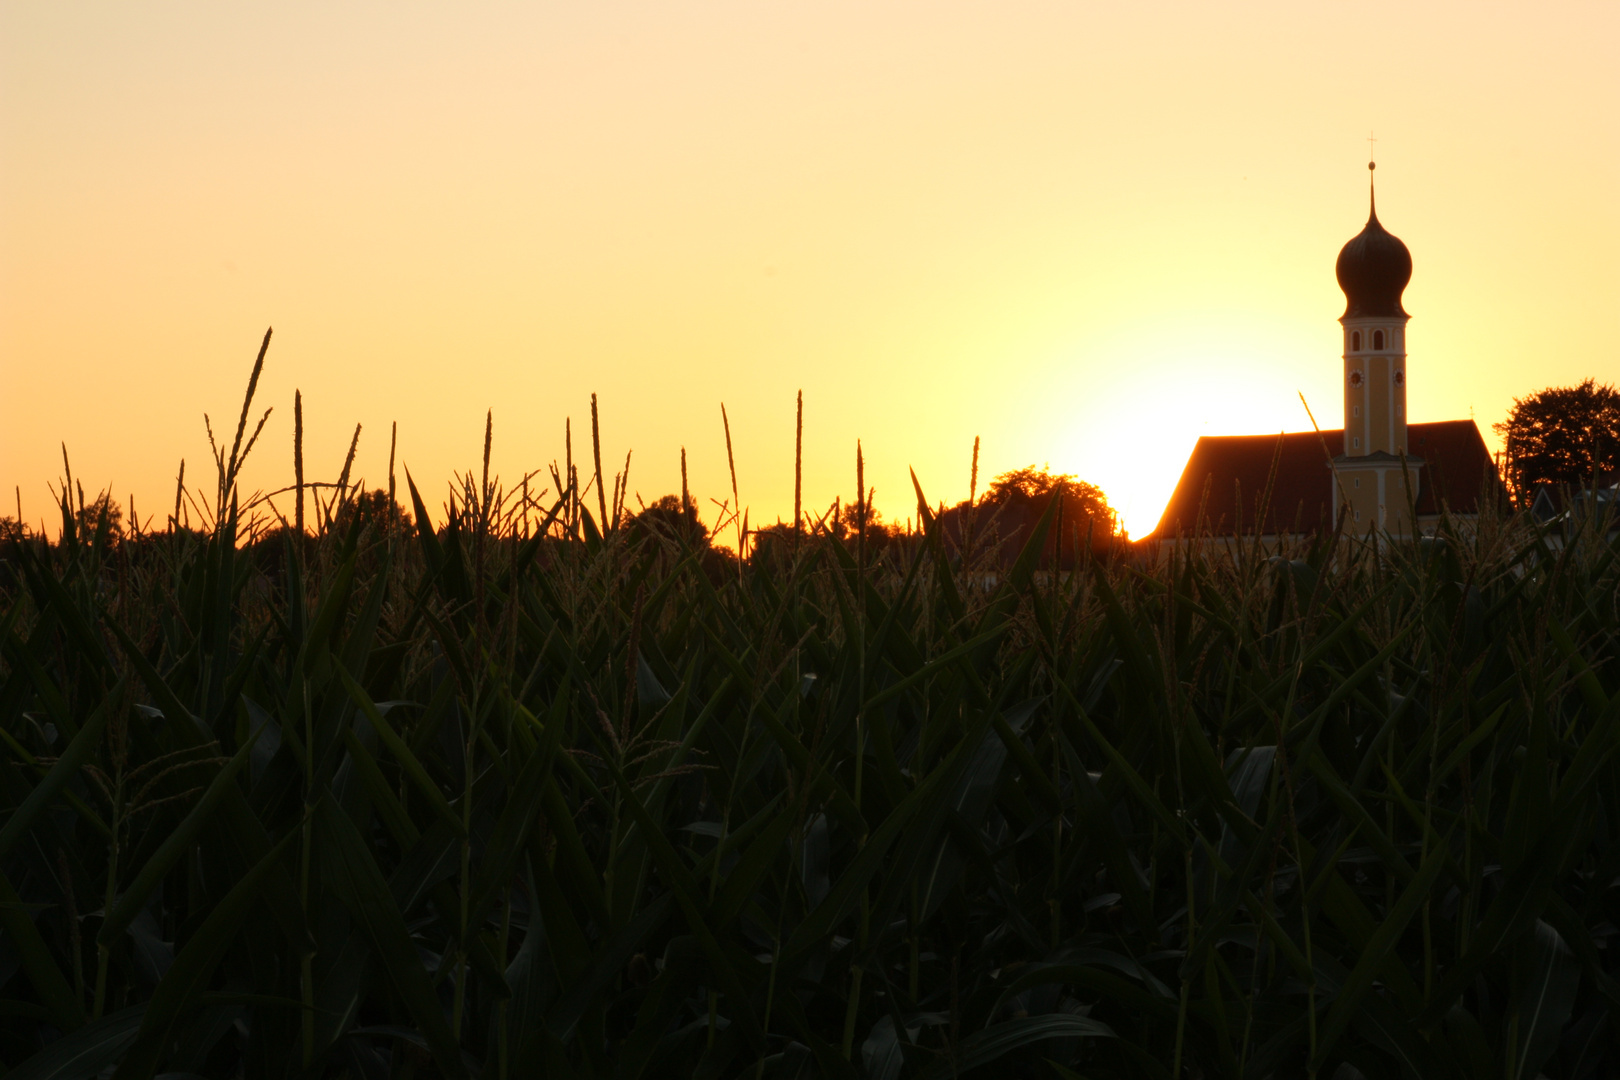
x,y
1084,236
881,540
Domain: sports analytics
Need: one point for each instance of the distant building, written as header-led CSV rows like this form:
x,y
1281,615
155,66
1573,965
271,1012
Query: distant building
x,y
1377,470
1567,508
1227,477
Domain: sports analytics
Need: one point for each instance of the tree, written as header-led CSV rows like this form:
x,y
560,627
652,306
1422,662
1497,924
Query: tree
x,y
997,526
376,510
667,517
852,513
1561,435
87,520
1036,487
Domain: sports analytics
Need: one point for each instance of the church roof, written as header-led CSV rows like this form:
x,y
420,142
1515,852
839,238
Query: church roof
x,y
1225,479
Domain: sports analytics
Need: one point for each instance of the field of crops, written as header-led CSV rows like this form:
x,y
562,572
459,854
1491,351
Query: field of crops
x,y
509,795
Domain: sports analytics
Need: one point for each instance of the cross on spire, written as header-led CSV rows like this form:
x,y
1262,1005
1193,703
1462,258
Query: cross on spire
x,y
1371,157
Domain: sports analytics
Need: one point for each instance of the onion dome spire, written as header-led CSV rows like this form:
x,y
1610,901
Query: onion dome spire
x,y
1374,267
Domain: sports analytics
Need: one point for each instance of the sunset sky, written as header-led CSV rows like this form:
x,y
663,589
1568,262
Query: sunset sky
x,y
1087,233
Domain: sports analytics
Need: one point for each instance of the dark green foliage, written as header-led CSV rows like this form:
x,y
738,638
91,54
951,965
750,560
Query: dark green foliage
x,y
1563,435
462,801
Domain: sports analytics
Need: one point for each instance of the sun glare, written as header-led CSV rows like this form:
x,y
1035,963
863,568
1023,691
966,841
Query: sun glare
x,y
990,226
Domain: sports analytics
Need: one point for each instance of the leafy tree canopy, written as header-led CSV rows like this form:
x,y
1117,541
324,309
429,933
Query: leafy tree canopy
x,y
666,516
1032,485
377,510
853,512
88,517
1561,435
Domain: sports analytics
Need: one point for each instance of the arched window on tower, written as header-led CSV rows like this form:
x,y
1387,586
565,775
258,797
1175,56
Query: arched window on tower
x,y
1378,339
1355,341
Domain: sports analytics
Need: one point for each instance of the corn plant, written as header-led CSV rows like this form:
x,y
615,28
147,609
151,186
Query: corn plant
x,y
508,796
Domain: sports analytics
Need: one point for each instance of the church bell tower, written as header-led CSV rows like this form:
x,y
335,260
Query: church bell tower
x,y
1375,479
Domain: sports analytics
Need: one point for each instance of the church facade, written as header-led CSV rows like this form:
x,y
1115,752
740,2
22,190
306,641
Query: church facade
x,y
1378,473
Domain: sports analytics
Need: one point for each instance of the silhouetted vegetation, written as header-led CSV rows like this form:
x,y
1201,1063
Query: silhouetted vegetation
x,y
376,510
1563,435
669,518
521,794
992,530
101,517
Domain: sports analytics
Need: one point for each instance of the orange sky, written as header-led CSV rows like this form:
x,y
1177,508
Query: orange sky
x,y
1086,233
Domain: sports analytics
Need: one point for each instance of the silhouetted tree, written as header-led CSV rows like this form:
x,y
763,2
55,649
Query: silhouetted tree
x,y
666,517
375,510
12,533
270,549
88,519
1561,435
773,545
1031,490
846,525
999,523
1032,485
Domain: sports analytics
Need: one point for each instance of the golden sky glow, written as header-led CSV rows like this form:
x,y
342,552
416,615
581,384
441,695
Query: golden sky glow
x,y
1086,233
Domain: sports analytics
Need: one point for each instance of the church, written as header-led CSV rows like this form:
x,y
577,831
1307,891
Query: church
x,y
1376,474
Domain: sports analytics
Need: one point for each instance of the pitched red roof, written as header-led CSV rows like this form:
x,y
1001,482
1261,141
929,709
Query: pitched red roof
x,y
1226,478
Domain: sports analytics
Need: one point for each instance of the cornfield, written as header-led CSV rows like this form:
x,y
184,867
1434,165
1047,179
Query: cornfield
x,y
500,797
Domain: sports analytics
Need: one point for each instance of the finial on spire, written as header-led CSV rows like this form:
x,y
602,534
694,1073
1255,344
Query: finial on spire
x,y
1372,191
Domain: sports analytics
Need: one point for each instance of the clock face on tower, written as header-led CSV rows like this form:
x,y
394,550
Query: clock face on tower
x,y
1400,378
1355,377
